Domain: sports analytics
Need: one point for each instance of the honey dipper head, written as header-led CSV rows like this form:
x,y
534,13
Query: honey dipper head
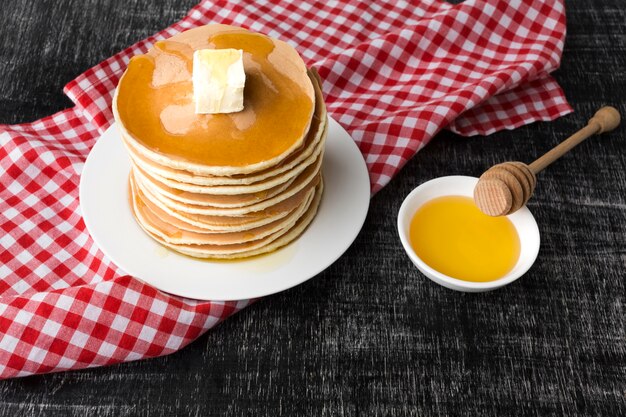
x,y
493,197
608,118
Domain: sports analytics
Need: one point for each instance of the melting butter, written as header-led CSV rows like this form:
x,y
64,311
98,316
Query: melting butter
x,y
218,80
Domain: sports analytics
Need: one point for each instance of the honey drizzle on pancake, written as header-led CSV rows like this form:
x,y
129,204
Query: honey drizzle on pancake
x,y
276,115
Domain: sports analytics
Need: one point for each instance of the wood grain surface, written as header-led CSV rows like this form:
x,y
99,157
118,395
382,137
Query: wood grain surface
x,y
371,336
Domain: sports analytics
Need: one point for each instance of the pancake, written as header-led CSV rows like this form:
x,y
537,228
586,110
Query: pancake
x,y
213,200
254,248
216,224
169,233
306,180
183,179
154,105
259,186
223,185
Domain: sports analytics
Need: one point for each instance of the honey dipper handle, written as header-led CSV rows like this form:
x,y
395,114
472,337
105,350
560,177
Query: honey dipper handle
x,y
605,120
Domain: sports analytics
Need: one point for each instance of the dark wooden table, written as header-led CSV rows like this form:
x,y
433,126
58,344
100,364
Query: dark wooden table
x,y
371,336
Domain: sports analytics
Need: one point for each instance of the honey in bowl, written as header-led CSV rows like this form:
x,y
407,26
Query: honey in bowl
x,y
451,235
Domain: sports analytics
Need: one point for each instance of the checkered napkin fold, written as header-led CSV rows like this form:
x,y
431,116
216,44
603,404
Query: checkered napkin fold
x,y
394,75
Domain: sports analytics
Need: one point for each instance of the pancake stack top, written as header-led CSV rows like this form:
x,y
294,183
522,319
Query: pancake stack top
x,y
222,185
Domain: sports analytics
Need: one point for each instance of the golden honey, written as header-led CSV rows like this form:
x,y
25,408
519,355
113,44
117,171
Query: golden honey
x,y
451,235
159,113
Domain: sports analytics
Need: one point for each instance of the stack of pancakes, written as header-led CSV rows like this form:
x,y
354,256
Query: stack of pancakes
x,y
223,185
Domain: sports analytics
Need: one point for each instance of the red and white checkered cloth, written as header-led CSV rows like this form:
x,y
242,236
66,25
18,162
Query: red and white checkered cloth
x,y
394,73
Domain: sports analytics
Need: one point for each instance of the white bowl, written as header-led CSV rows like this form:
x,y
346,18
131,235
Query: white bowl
x,y
522,219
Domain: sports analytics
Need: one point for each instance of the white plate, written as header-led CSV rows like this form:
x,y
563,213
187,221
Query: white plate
x,y
105,208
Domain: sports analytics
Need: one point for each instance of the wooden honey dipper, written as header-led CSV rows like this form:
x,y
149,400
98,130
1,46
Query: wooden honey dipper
x,y
505,188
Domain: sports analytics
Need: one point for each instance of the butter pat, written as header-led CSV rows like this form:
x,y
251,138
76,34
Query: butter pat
x,y
218,80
